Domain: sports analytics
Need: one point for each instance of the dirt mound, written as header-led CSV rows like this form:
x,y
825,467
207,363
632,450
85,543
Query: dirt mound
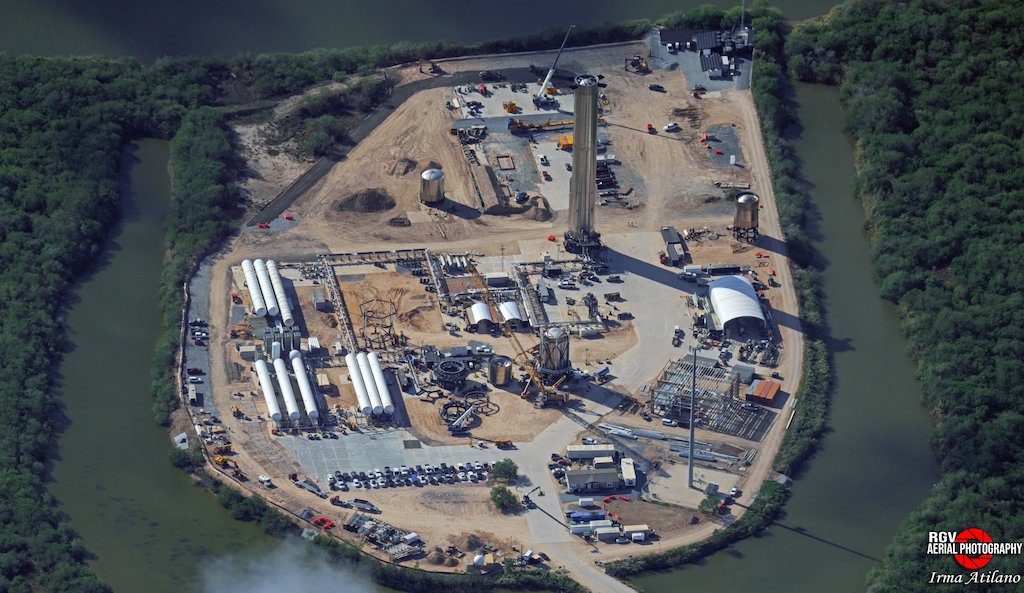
x,y
449,561
431,165
368,200
436,556
403,167
402,221
539,211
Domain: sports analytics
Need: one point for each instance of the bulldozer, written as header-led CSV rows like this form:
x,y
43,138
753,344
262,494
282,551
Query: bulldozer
x,y
222,449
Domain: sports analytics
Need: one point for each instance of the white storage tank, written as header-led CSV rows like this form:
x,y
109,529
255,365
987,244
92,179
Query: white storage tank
x,y
362,397
292,407
376,407
432,186
259,306
263,374
282,298
305,389
266,287
387,406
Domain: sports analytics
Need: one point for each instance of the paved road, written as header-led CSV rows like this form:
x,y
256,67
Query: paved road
x,y
315,173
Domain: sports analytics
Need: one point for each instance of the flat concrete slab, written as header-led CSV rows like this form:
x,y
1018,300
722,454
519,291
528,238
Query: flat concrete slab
x,y
494,101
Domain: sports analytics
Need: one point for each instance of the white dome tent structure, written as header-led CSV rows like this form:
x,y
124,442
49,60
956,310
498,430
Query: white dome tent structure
x,y
733,300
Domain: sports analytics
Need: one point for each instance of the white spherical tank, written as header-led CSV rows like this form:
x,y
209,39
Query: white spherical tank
x,y
281,369
305,388
362,397
432,186
382,385
263,374
266,287
259,306
370,383
282,299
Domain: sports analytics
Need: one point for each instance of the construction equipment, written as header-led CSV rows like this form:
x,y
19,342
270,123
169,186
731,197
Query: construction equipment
x,y
235,298
432,68
510,106
638,64
236,412
543,98
224,462
522,357
222,449
498,444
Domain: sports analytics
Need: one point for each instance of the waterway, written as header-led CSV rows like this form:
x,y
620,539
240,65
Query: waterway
x,y
148,29
874,466
146,523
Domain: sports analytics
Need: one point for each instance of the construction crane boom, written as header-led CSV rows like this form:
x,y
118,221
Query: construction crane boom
x,y
551,72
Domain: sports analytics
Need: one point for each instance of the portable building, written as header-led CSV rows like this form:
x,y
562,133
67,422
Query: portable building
x,y
604,462
628,471
589,451
592,479
607,533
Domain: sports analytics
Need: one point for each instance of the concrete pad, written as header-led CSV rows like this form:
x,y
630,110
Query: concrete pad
x,y
493,103
669,483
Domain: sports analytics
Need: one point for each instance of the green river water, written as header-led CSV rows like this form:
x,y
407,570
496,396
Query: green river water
x,y
152,530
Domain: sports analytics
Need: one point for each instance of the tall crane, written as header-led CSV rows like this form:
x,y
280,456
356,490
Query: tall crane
x,y
542,98
522,356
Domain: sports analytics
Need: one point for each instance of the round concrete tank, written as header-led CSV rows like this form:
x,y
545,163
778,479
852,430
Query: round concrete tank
x,y
553,357
432,186
451,374
499,371
746,211
259,306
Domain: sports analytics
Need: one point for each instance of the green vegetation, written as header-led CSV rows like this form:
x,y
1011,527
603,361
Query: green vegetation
x,y
931,90
504,500
708,505
762,512
505,470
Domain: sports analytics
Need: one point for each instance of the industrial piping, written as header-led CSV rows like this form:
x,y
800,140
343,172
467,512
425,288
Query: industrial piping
x,y
382,384
259,306
286,388
282,298
263,373
357,382
266,287
371,384
305,389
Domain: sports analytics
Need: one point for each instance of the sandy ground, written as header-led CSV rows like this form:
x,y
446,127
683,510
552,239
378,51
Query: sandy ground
x,y
677,177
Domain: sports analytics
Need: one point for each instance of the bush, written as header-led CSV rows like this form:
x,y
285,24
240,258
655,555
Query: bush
x,y
503,499
505,470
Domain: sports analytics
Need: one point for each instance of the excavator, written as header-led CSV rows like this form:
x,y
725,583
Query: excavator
x,y
548,393
224,462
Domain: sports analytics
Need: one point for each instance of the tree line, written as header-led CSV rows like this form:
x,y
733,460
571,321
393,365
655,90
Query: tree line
x,y
931,89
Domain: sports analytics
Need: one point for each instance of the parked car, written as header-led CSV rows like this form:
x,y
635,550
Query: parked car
x,y
656,87
671,127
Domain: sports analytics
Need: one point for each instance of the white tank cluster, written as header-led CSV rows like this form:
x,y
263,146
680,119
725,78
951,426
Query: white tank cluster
x,y
362,397
259,306
372,392
286,388
266,287
263,373
282,299
305,389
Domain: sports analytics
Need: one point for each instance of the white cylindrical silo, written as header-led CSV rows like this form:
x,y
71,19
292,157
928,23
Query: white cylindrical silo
x,y
282,298
259,306
263,373
370,383
305,389
266,287
286,388
382,384
362,397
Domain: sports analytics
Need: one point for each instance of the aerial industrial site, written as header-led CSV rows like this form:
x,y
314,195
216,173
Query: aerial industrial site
x,y
573,262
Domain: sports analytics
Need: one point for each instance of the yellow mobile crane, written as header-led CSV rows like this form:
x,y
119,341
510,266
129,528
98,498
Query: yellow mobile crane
x,y
547,392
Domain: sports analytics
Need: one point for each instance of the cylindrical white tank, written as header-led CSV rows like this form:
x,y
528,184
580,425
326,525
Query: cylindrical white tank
x,y
362,397
382,384
305,389
266,287
286,389
370,383
282,298
432,186
263,373
259,306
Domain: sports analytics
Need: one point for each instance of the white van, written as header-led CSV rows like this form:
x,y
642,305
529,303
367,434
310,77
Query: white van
x,y
195,379
669,422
